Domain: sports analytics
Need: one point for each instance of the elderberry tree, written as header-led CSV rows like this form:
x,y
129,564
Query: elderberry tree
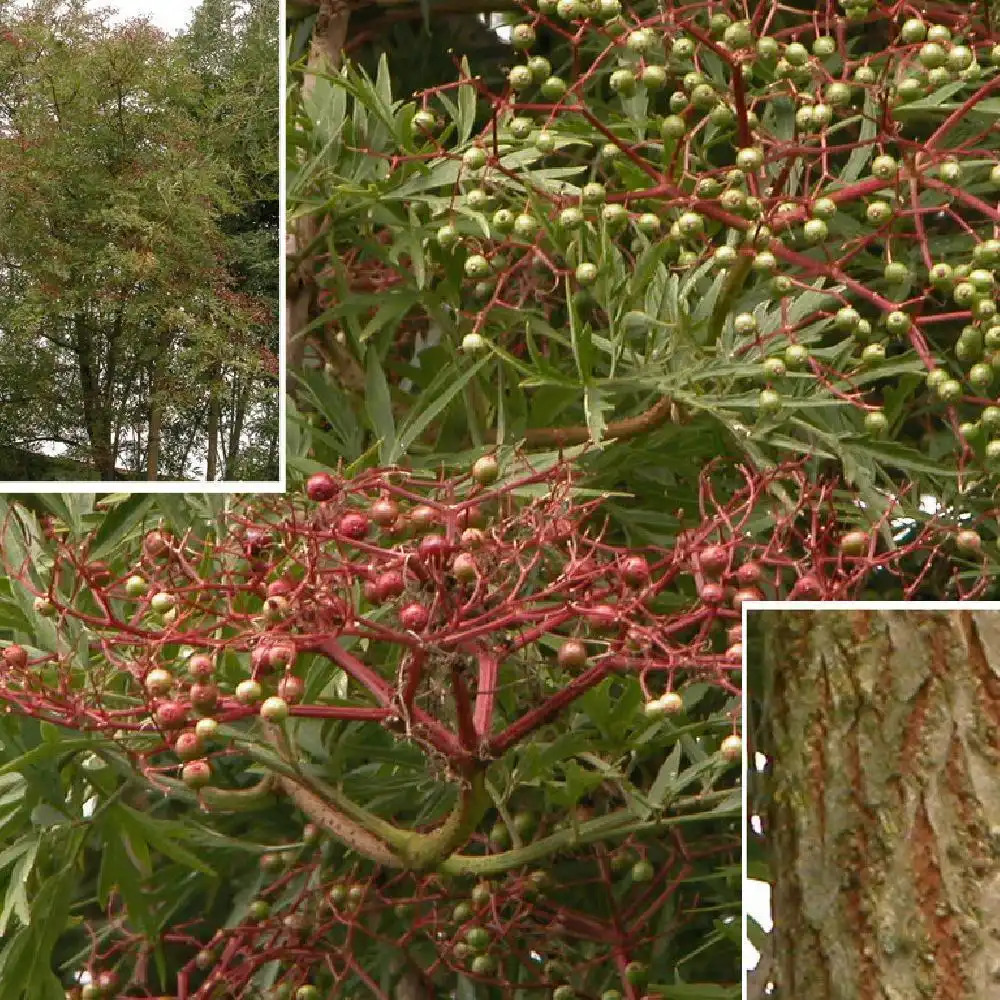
x,y
698,308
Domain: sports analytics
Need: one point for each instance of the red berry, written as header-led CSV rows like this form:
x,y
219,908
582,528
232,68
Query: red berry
x,y
171,714
384,511
353,526
713,559
712,593
99,573
635,570
434,548
370,589
749,573
291,688
201,665
156,544
808,588
281,654
470,517
602,618
107,980
572,654
188,745
390,584
414,617
281,587
322,487
15,656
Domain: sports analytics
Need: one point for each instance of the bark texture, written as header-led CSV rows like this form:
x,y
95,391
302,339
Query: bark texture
x,y
884,821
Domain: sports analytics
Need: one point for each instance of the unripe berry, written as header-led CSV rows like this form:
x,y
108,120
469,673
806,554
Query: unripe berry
x,y
196,773
159,681
732,748
572,654
248,692
486,470
274,709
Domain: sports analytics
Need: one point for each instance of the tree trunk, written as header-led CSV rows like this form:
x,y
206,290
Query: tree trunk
x,y
214,411
96,418
884,820
236,428
157,402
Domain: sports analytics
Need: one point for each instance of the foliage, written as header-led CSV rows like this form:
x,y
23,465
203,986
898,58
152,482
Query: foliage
x,y
133,266
580,291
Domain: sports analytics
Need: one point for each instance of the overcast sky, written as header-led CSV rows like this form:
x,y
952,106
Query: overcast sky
x,y
170,15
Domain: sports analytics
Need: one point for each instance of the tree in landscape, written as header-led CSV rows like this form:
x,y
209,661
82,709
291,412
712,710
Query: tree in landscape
x,y
693,305
138,243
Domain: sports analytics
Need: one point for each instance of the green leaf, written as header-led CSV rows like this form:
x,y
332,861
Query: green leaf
x,y
438,396
378,403
116,524
466,105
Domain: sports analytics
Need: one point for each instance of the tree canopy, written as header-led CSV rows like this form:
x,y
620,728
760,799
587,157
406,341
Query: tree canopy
x,y
138,240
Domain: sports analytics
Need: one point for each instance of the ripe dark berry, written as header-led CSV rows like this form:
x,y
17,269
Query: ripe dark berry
x,y
389,584
713,559
434,548
353,525
322,487
414,617
635,570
